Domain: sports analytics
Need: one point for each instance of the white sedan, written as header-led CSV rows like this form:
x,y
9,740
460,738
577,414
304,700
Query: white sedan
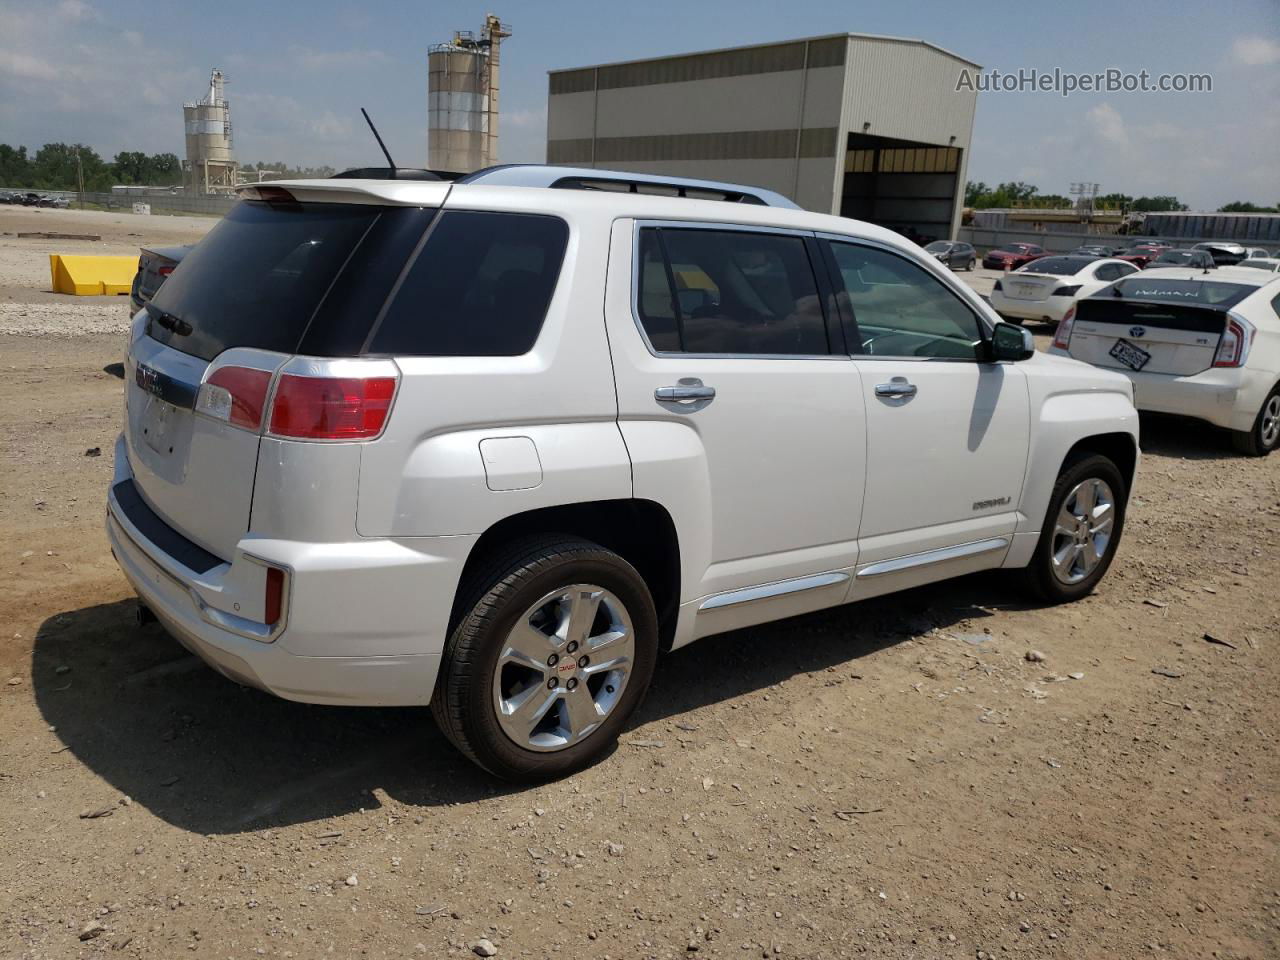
x,y
1197,343
1047,288
1270,264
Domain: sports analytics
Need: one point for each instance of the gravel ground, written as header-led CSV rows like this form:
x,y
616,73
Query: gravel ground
x,y
892,779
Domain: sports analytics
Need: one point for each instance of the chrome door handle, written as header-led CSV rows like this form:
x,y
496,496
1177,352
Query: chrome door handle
x,y
897,387
685,393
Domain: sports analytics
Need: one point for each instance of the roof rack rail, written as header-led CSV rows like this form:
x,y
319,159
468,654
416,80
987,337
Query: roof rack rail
x,y
587,178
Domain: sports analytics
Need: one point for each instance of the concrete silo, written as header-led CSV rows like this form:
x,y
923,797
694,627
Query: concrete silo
x,y
210,166
462,99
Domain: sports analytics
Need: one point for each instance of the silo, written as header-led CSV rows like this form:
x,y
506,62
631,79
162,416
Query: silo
x,y
462,99
210,164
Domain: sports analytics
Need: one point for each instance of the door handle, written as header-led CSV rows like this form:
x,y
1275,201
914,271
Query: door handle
x,y
897,387
685,393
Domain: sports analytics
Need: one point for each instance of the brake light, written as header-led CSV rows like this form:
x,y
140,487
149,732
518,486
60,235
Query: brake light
x,y
236,395
1062,338
331,408
997,286
269,194
1067,291
1233,348
165,270
273,600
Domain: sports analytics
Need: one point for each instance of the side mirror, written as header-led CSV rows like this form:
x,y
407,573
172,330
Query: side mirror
x,y
1012,342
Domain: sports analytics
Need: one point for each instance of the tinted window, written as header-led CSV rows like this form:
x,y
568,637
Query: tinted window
x,y
1212,292
1108,272
898,309
256,279
719,291
480,286
1059,266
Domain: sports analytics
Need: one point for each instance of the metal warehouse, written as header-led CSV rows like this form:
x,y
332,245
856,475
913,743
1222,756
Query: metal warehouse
x,y
863,126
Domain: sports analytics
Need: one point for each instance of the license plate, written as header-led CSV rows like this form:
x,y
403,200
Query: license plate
x,y
1133,357
1025,289
155,424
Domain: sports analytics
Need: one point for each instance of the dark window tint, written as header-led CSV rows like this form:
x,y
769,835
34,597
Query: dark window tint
x,y
720,291
1059,266
901,310
479,287
256,279
1212,292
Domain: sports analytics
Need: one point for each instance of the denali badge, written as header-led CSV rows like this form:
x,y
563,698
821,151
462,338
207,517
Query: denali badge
x,y
988,504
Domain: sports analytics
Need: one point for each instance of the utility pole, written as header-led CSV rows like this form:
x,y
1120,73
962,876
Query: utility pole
x,y
80,178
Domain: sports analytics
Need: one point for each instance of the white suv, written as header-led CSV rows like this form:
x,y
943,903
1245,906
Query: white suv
x,y
493,445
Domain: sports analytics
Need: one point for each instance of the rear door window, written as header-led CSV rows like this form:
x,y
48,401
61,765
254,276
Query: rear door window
x,y
480,286
711,291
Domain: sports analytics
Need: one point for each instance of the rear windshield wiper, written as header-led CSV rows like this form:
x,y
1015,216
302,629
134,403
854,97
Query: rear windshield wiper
x,y
171,323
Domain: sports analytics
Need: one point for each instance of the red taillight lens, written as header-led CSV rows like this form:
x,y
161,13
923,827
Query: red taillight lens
x,y
331,408
1062,338
237,395
273,601
1233,348
166,269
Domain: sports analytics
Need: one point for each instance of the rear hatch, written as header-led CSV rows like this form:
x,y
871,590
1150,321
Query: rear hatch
x,y
1165,325
1030,286
273,279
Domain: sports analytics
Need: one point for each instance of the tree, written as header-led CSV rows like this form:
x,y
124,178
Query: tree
x,y
973,190
15,166
1157,204
1243,206
1113,201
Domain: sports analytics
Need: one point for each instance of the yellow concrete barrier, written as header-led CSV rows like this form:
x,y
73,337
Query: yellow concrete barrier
x,y
92,276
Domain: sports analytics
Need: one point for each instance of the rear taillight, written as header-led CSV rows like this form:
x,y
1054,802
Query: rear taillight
x,y
237,395
273,600
997,286
1233,348
1062,339
166,269
1067,291
331,408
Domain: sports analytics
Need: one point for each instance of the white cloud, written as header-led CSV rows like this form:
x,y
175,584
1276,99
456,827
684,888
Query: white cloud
x,y
1108,124
524,119
309,59
24,66
1255,51
76,10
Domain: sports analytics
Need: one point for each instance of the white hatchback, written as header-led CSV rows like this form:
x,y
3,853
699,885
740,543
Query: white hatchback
x,y
1198,343
1047,288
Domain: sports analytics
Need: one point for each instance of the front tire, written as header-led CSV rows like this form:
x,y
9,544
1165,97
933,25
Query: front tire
x,y
1081,531
553,648
1264,436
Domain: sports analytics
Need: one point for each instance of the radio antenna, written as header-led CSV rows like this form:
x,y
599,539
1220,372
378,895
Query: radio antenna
x,y
390,163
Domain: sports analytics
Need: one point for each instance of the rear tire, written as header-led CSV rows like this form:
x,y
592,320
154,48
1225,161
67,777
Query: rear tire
x,y
514,693
972,263
1081,531
1264,435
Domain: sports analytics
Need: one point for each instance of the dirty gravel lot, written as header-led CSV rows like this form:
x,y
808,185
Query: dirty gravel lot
x,y
893,779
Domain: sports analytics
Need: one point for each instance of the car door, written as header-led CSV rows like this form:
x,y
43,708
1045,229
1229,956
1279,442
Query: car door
x,y
947,431
742,413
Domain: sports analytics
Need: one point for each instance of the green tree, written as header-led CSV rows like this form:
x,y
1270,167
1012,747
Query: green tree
x,y
1244,206
973,191
1158,204
15,166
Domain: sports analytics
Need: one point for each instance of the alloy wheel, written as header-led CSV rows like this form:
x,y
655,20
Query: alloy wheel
x,y
563,667
1082,531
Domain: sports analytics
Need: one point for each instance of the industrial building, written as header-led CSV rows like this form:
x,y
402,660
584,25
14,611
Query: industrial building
x,y
852,124
462,99
210,166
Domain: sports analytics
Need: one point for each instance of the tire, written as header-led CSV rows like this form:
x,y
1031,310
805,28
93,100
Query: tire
x,y
1071,576
511,604
971,265
1264,436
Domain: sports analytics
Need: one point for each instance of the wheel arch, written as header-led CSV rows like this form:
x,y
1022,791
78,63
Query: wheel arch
x,y
640,531
1120,448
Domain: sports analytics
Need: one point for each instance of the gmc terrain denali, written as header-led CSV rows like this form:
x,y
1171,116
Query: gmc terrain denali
x,y
492,445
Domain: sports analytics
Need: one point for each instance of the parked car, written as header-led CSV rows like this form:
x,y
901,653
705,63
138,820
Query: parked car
x,y
1271,264
1196,344
1197,259
351,473
1223,253
1256,253
1092,250
1012,255
154,266
1143,253
956,254
1048,287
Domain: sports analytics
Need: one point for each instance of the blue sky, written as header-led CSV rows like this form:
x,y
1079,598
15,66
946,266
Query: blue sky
x,y
114,73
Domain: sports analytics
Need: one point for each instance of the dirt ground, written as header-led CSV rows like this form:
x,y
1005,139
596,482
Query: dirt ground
x,y
892,779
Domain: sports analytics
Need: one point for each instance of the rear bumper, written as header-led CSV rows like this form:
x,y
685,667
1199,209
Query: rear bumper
x,y
366,620
1228,398
1050,309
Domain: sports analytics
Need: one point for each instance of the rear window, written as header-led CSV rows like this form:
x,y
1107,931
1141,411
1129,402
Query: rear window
x,y
480,287
1059,266
257,278
1214,293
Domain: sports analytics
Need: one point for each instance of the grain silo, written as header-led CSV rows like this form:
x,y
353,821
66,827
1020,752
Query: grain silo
x,y
462,99
210,166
